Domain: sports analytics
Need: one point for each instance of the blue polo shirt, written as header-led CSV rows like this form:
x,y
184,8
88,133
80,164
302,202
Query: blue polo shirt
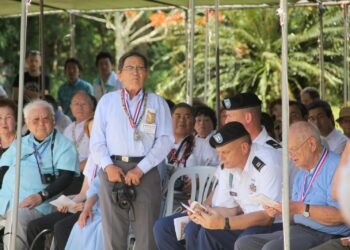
x,y
65,157
67,91
320,194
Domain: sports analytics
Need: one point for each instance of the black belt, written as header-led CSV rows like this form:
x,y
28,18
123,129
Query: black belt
x,y
126,158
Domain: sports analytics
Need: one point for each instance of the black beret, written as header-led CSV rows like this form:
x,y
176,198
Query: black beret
x,y
241,101
229,132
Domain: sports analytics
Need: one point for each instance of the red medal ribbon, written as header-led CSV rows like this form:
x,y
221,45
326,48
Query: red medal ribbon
x,y
133,120
319,165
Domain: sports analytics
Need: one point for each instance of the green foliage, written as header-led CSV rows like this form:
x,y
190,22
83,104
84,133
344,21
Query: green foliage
x,y
250,55
250,50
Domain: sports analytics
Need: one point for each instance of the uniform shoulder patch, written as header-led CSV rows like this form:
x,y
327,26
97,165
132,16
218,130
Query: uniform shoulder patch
x,y
258,164
273,144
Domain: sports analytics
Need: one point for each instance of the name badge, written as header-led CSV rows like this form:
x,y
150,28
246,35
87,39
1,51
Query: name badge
x,y
150,116
149,128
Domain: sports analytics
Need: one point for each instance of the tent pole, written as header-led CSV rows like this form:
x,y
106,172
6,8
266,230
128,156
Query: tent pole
x,y
190,87
42,50
283,12
217,61
24,12
72,34
206,56
321,46
346,54
187,46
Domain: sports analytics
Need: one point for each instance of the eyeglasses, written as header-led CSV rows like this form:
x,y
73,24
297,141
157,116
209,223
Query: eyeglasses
x,y
132,69
297,148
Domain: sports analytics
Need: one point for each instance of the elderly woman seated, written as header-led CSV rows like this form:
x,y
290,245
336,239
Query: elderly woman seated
x,y
48,163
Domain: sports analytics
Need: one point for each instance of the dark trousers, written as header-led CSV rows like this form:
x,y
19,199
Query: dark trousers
x,y
198,238
301,238
146,207
60,223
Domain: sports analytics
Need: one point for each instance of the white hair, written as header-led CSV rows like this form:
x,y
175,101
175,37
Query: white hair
x,y
36,104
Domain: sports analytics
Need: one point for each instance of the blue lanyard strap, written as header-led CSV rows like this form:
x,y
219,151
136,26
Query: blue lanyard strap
x,y
37,152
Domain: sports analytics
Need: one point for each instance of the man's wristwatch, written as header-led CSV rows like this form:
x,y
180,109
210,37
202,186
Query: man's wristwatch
x,y
306,212
227,224
44,194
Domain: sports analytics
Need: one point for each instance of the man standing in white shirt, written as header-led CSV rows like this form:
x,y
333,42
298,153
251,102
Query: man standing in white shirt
x,y
320,114
132,134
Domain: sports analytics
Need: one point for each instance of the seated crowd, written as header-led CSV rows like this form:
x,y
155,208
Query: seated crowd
x,y
111,147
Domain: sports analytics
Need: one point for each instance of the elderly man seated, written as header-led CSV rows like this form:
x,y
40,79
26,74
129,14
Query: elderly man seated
x,y
48,163
82,108
315,214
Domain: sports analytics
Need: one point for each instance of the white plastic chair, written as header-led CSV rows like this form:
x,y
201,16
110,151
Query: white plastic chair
x,y
202,179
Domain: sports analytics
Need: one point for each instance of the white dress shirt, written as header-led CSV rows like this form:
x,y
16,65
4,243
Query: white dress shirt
x,y
262,174
112,133
266,140
79,138
336,141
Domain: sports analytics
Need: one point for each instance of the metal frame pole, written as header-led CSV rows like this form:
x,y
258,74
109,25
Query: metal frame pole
x,y
283,12
217,61
190,86
187,45
14,218
206,56
346,54
42,50
72,34
321,46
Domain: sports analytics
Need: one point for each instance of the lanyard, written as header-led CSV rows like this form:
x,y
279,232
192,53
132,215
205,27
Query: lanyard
x,y
187,144
39,154
319,165
78,140
136,118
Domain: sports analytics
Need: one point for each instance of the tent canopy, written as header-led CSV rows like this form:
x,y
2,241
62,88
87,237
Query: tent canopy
x,y
13,7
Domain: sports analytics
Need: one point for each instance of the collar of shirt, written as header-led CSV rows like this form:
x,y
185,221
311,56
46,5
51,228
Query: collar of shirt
x,y
137,97
112,79
75,83
79,126
333,133
262,137
248,166
37,143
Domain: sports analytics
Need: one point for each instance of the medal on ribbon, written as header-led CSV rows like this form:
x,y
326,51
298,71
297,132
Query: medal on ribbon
x,y
318,167
135,119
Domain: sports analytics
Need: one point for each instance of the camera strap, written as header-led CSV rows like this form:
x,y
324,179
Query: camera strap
x,y
38,154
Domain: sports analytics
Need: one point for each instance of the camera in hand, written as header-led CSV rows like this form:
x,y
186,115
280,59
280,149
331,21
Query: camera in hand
x,y
123,195
47,178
